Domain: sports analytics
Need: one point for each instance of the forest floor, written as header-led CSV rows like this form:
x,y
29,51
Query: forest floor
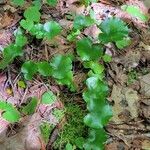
x,y
128,76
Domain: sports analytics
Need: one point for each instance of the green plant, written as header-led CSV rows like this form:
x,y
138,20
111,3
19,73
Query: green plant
x,y
135,12
113,30
132,76
73,128
9,112
48,98
91,53
55,68
46,128
30,107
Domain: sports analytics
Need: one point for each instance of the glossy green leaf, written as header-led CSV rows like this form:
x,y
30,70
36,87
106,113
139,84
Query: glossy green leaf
x,y
9,112
113,29
96,140
63,75
29,69
37,3
97,118
57,63
30,107
20,40
107,58
32,13
88,51
69,147
100,90
135,12
5,106
48,98
38,31
27,24
11,115
9,54
96,67
52,29
123,43
81,22
44,68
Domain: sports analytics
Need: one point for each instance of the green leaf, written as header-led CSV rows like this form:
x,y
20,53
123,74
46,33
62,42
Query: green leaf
x,y
29,68
113,29
52,3
88,51
9,54
80,142
69,147
5,106
27,24
46,128
96,67
18,2
10,113
44,68
37,3
32,13
20,40
22,84
72,36
97,118
57,63
48,98
107,58
95,97
11,116
18,31
30,107
82,21
100,89
123,43
52,29
38,31
135,12
63,75
96,140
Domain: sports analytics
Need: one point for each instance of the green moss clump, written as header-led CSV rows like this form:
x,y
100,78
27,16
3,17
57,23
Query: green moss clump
x,y
46,129
73,128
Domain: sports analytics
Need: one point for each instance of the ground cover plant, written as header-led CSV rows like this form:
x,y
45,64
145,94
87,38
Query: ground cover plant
x,y
84,127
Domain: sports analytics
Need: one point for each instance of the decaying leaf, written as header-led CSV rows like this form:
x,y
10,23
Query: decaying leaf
x,y
145,85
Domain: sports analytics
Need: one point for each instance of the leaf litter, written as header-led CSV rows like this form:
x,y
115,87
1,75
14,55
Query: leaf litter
x,y
130,103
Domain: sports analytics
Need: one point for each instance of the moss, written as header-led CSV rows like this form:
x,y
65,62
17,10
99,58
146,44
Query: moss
x,y
132,76
59,114
46,129
73,128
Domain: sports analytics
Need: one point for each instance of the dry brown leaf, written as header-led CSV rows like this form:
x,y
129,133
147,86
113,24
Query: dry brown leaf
x,y
6,20
146,145
132,99
145,85
116,97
